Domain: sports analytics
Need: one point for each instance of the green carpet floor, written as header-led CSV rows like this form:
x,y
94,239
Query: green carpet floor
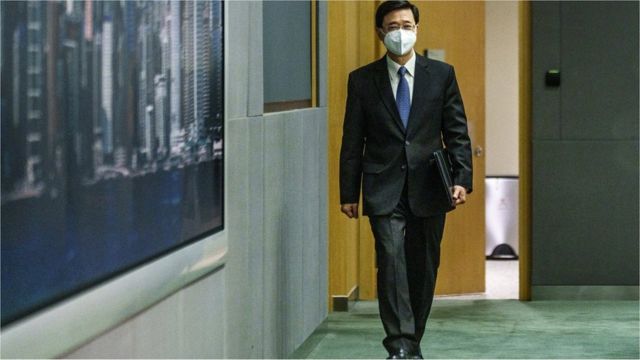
x,y
474,329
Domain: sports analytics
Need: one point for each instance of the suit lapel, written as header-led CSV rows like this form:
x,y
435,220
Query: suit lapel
x,y
384,89
420,91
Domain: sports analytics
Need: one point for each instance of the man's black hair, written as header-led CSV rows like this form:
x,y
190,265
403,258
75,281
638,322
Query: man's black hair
x,y
389,6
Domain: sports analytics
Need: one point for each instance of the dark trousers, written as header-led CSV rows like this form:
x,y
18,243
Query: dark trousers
x,y
408,255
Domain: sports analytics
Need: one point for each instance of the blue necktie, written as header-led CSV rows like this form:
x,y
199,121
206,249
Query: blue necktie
x,y
403,102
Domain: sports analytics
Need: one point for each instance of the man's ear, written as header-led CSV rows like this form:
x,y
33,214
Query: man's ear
x,y
380,33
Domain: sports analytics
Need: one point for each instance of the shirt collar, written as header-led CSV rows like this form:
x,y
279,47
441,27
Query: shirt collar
x,y
410,65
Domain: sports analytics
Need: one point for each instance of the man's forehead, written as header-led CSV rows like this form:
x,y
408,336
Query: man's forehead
x,y
400,15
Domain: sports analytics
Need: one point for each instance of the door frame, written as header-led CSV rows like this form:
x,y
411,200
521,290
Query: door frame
x,y
524,213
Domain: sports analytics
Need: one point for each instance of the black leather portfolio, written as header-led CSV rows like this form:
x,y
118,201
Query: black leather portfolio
x,y
443,163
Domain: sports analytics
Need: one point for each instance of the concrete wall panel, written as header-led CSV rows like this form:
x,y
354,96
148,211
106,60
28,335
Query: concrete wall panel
x,y
273,233
255,219
238,299
187,324
293,228
600,63
585,220
585,147
311,235
546,49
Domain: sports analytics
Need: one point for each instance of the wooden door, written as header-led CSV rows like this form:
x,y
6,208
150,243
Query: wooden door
x,y
458,29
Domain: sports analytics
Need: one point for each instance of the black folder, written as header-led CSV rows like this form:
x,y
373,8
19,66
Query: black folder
x,y
443,163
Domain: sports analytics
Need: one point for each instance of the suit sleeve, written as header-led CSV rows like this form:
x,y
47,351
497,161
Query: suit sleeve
x,y
353,140
455,134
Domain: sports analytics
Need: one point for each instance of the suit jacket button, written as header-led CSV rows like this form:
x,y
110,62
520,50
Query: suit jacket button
x,y
403,167
407,143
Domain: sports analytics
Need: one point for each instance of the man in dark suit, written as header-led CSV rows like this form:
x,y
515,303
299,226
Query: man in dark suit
x,y
400,109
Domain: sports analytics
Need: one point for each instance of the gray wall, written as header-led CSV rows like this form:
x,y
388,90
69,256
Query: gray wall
x,y
585,145
272,292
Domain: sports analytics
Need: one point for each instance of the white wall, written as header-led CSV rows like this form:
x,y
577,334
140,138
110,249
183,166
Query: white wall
x,y
501,62
271,292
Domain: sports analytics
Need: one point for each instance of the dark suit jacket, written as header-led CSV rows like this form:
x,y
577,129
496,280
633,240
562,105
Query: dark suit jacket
x,y
379,153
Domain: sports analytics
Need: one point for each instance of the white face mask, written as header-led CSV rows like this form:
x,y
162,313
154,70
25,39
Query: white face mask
x,y
400,41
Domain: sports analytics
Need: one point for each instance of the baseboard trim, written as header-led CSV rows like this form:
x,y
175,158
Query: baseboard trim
x,y
582,292
341,302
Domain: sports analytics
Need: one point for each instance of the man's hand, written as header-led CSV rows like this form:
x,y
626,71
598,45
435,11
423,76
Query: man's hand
x,y
459,195
351,210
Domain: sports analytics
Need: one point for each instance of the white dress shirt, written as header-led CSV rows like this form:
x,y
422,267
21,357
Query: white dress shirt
x,y
393,68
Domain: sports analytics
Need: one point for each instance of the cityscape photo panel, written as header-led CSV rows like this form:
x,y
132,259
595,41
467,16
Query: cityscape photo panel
x,y
112,140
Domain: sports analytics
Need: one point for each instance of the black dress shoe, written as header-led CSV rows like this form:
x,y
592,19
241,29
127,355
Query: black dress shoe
x,y
401,354
415,355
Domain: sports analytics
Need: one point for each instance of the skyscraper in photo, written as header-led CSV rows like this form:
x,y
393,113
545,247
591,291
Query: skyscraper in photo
x,y
107,84
202,67
162,119
122,117
71,53
88,20
188,76
35,94
145,125
97,113
217,70
175,78
13,166
160,86
70,39
87,87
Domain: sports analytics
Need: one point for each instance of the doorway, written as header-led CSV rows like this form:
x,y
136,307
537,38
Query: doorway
x,y
351,254
502,180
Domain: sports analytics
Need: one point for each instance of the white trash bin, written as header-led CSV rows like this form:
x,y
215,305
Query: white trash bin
x,y
501,197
